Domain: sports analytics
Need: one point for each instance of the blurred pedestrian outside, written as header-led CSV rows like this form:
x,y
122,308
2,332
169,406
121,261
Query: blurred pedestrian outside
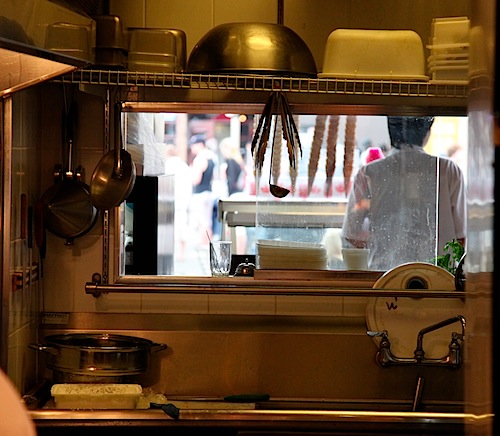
x,y
183,191
233,167
202,201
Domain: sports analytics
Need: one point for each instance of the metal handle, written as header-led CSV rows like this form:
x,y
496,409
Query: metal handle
x,y
155,348
45,349
118,140
376,334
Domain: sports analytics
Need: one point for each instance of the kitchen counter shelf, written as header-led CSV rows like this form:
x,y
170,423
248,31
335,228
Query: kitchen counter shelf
x,y
457,92
350,422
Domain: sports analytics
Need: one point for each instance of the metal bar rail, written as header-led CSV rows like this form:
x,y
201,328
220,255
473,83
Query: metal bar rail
x,y
239,287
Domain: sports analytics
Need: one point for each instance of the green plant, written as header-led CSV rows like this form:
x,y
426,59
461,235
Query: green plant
x,y
449,261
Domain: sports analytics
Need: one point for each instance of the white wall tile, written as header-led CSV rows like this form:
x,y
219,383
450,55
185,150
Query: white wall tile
x,y
242,304
89,247
13,367
299,305
175,303
15,310
354,306
22,360
116,303
58,275
229,11
131,12
194,20
27,357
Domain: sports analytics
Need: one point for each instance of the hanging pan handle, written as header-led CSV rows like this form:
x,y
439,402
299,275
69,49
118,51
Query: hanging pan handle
x,y
118,139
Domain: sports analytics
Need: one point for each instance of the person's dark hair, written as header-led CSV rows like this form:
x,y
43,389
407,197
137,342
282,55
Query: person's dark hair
x,y
197,138
408,130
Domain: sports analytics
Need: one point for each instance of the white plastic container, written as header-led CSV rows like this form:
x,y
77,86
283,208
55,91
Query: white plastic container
x,y
450,30
449,73
374,54
96,396
481,45
464,57
458,49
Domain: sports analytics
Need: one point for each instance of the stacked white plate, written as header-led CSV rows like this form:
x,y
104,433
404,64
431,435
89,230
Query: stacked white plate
x,y
291,255
449,50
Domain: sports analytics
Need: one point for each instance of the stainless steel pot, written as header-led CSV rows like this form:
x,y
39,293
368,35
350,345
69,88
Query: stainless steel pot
x,y
84,357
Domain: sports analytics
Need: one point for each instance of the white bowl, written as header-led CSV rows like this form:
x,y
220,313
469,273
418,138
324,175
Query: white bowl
x,y
374,54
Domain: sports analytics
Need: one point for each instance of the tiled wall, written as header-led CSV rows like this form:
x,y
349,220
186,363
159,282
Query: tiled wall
x,y
25,296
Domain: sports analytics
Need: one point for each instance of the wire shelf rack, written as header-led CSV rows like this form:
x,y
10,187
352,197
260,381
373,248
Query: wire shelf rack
x,y
240,82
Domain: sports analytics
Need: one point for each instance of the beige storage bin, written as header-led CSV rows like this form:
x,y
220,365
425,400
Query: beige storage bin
x,y
374,54
96,396
450,30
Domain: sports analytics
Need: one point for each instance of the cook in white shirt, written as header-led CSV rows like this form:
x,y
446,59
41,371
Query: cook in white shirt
x,y
408,205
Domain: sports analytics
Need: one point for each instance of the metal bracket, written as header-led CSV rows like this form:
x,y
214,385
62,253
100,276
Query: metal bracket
x,y
96,280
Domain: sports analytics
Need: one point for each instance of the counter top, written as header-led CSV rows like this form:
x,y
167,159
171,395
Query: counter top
x,y
345,420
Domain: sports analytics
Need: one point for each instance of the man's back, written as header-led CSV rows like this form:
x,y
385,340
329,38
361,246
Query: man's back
x,y
394,207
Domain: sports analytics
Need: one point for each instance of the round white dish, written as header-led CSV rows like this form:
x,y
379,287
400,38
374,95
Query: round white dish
x,y
404,317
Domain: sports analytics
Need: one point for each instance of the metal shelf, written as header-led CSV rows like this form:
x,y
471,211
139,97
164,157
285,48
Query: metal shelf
x,y
269,83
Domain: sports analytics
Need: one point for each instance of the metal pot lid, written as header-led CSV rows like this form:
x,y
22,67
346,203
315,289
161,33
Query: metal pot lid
x,y
68,210
99,341
404,317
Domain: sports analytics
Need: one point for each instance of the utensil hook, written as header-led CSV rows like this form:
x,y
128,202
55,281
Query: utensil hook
x,y
70,114
281,12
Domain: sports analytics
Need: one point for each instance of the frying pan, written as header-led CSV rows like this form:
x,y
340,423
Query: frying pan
x,y
68,211
114,177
